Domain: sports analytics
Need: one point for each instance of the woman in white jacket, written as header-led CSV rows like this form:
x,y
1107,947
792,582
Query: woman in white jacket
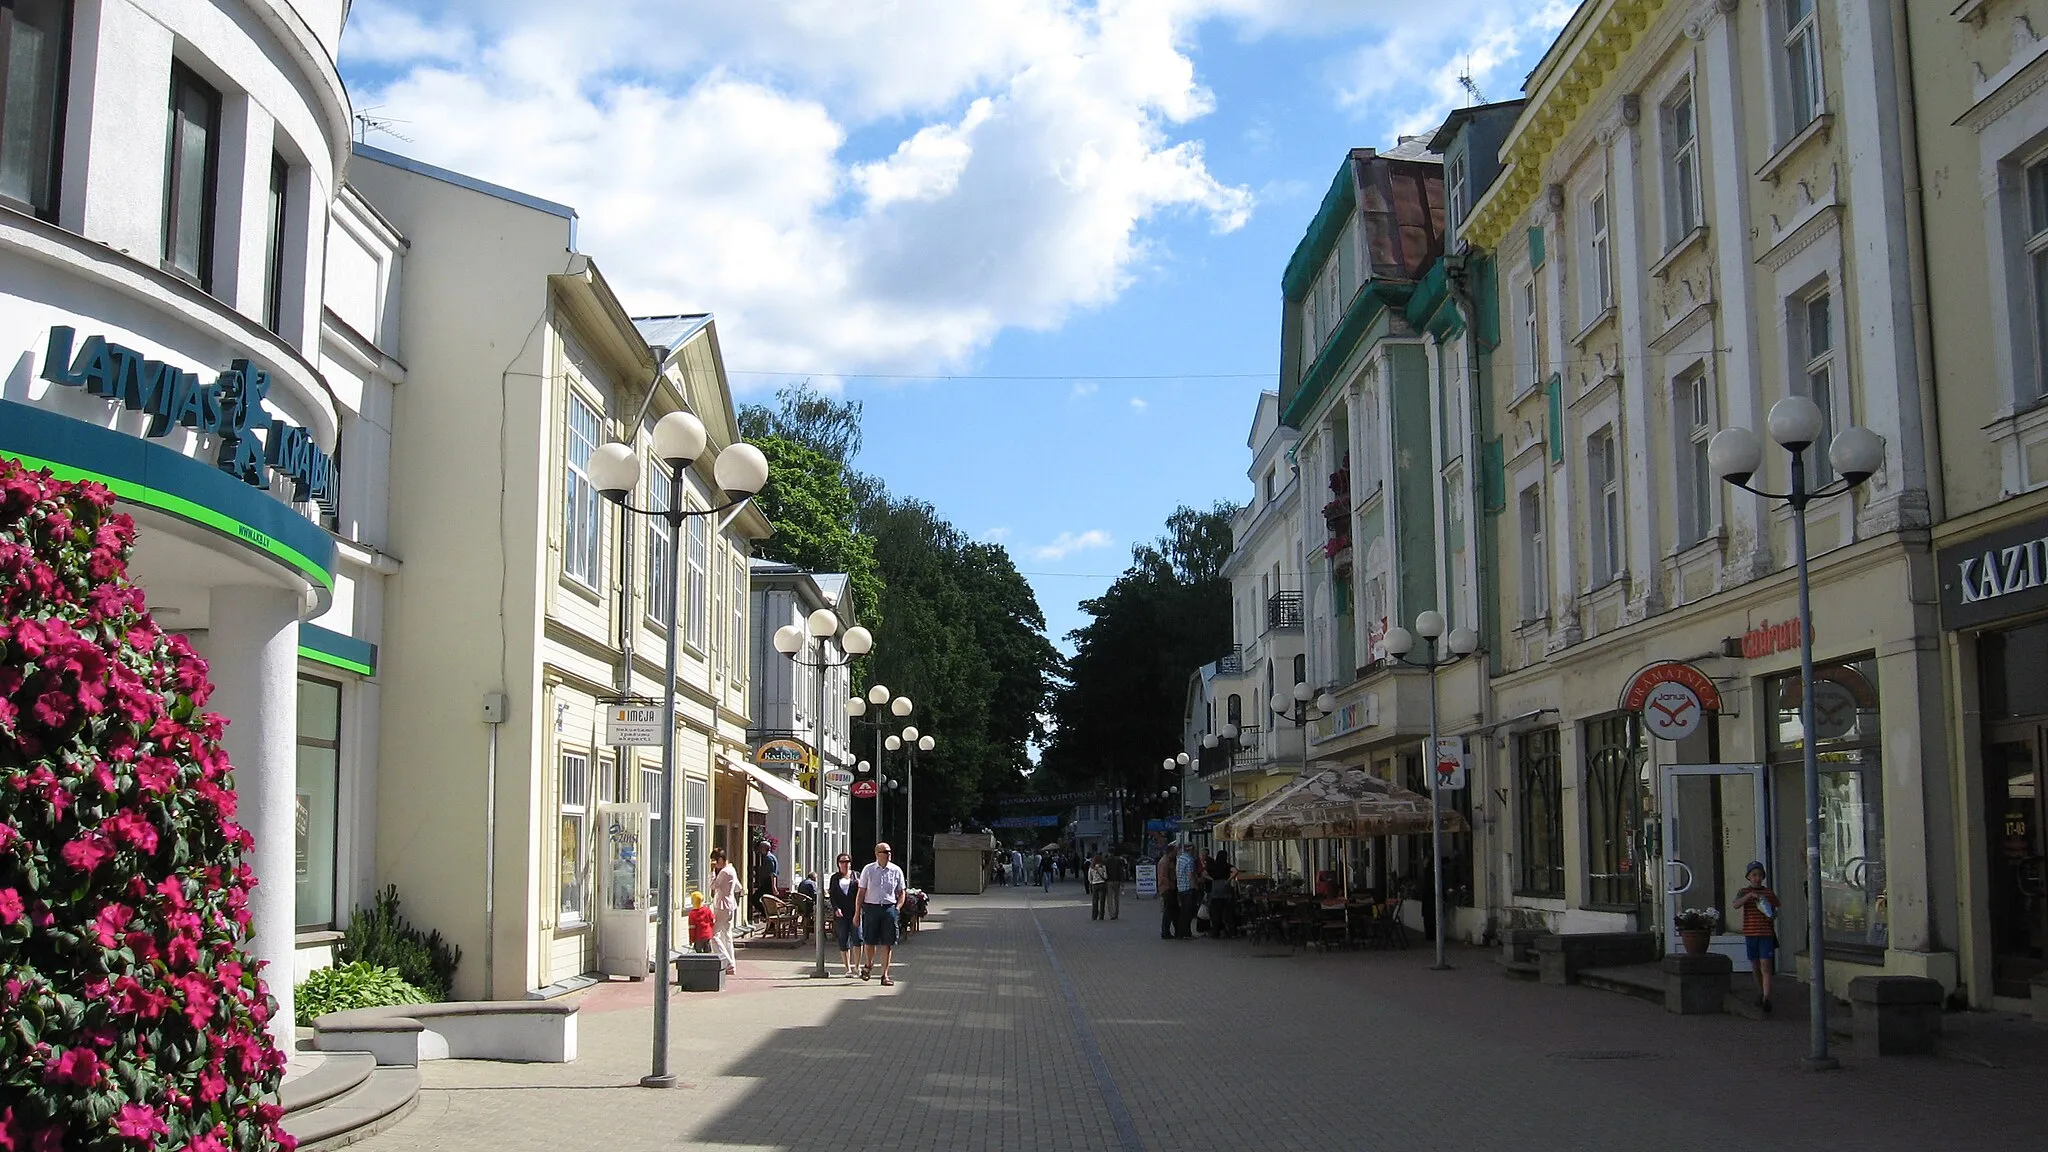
x,y
725,904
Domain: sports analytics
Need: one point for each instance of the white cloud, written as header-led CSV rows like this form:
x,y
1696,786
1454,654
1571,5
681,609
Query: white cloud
x,y
1409,71
1083,389
996,535
1068,543
1139,403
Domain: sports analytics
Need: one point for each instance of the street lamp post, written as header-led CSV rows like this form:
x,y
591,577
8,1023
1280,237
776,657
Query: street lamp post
x,y
1302,705
912,745
740,470
1169,765
1462,642
1734,454
900,706
791,641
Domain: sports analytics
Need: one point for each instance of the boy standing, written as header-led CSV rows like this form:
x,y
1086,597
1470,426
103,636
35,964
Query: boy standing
x,y
1759,908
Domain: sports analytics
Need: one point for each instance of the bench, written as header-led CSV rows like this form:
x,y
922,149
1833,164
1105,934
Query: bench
x,y
518,1031
1562,956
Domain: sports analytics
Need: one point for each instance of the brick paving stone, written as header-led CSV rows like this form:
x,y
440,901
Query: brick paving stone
x,y
1206,1044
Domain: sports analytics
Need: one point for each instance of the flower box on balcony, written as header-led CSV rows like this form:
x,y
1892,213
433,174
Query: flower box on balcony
x,y
1335,545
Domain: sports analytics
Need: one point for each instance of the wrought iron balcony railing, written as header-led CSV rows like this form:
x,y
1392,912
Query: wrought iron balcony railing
x,y
1283,612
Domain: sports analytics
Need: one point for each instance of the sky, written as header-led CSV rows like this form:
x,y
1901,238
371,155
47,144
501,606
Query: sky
x,y
1040,240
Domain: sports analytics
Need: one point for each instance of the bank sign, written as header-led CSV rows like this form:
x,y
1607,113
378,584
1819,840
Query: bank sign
x,y
232,409
1995,576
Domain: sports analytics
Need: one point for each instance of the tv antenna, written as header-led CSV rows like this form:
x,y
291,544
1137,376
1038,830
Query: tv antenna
x,y
366,124
1470,85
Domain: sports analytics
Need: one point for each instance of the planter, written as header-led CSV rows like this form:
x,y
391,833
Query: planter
x,y
1695,940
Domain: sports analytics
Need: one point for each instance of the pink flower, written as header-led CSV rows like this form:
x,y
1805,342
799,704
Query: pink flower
x,y
132,828
209,1141
80,1066
108,924
10,906
53,708
212,1085
139,1122
87,852
156,774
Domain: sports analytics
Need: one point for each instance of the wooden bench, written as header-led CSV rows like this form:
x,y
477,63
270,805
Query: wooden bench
x,y
518,1031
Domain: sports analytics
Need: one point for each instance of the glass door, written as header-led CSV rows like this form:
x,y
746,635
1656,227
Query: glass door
x,y
2019,880
1716,820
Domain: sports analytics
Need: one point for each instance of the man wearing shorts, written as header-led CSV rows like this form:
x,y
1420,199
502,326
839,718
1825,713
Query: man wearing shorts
x,y
881,896
1759,908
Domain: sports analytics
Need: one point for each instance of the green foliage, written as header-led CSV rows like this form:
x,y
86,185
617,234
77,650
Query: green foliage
x,y
813,512
826,426
358,985
1120,711
381,936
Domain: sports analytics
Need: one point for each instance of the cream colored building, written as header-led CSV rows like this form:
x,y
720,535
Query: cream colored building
x,y
1703,210
1980,77
521,585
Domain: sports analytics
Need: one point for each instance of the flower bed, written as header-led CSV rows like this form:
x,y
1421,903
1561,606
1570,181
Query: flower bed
x,y
131,1014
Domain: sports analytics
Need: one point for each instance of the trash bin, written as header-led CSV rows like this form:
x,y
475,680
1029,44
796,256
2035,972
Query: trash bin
x,y
700,972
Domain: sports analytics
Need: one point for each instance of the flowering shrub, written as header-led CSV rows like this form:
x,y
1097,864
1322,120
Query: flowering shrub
x,y
131,1015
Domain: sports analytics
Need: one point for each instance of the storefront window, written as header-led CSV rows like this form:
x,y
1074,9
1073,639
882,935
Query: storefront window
x,y
697,804
319,781
2014,672
575,869
1539,823
1613,793
1846,732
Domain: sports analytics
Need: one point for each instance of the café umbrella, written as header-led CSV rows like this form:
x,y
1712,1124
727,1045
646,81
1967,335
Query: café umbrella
x,y
1337,802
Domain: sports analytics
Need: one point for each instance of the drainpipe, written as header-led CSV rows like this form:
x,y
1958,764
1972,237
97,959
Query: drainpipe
x,y
1916,261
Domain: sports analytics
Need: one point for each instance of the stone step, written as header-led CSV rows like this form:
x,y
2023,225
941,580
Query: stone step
x,y
333,1074
1629,981
1527,970
379,1101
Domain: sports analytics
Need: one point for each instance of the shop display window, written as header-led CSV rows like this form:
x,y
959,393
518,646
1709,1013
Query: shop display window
x,y
1846,725
575,808
319,783
1539,815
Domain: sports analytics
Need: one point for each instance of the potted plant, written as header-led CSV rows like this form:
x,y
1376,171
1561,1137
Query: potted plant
x,y
1696,928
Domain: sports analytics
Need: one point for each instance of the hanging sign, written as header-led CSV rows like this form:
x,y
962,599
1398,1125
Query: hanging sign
x,y
838,777
632,724
783,751
1450,763
864,789
1672,697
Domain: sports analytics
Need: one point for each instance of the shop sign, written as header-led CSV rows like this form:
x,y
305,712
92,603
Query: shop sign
x,y
866,790
1450,763
838,777
632,724
1363,712
1768,639
1991,577
782,751
1673,698
1010,821
231,408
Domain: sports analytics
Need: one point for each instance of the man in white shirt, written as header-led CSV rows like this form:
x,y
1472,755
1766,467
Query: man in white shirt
x,y
883,891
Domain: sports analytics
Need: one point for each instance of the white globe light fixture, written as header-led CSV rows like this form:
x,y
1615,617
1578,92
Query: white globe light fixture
x,y
926,743
878,695
1302,692
1326,703
858,641
1398,641
1429,624
613,471
910,734
893,743
855,706
1734,454
1794,422
823,622
901,706
678,439
740,470
789,639
1181,759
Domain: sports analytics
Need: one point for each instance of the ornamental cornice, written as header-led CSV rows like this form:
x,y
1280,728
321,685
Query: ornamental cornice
x,y
1566,93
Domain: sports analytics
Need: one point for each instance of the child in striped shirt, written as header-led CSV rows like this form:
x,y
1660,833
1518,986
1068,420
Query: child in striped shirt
x,y
1759,908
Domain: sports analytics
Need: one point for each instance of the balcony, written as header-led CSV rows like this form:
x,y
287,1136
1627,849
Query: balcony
x,y
1283,612
1231,663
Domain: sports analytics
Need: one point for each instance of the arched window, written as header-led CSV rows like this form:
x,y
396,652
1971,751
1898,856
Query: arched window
x,y
1233,710
1300,667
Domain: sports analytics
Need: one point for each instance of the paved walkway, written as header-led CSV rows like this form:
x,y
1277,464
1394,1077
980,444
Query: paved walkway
x,y
1019,1024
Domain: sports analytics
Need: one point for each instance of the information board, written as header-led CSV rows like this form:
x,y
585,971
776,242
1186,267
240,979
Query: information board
x,y
632,724
1148,880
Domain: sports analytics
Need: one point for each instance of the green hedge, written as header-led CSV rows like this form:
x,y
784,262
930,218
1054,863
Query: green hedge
x,y
357,985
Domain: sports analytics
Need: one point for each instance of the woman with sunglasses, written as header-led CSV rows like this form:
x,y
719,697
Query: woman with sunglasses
x,y
843,889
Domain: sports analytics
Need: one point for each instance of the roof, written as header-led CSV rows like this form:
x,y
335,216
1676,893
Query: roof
x,y
1441,141
832,584
668,332
449,176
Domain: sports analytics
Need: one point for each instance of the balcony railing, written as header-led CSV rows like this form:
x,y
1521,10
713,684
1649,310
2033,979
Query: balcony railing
x,y
1231,663
1283,612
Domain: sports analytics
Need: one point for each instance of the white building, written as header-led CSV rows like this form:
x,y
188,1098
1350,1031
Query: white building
x,y
785,741
167,174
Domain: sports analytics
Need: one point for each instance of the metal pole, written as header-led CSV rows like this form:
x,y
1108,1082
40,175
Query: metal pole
x,y
1436,817
1817,994
909,797
818,824
878,783
664,895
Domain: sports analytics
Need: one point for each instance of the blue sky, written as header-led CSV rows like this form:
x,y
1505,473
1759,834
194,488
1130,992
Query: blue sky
x,y
1083,193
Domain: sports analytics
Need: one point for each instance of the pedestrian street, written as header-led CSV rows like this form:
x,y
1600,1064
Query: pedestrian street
x,y
1017,1023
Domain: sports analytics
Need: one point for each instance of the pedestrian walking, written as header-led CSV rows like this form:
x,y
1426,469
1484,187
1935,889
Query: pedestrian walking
x,y
1759,908
1016,867
843,889
1098,886
725,904
1045,870
1169,895
1184,894
1119,871
1222,895
881,895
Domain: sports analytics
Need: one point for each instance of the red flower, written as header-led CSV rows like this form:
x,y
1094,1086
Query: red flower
x,y
53,708
108,924
10,906
80,1066
212,1085
139,1122
87,852
156,774
208,1141
133,828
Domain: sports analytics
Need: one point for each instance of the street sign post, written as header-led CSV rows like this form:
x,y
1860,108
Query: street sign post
x,y
1450,763
632,724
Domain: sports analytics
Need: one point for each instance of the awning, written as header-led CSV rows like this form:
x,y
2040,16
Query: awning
x,y
779,786
755,801
1337,801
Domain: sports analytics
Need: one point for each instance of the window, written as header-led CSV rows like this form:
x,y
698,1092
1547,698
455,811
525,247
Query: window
x,y
1815,318
614,781
1681,167
2037,271
736,651
716,579
1539,815
1535,591
580,520
696,806
192,173
318,792
1333,306
650,795
1529,371
1603,484
575,812
1597,287
697,566
1801,46
1272,476
1309,343
35,43
661,582
1455,192
1846,727
1694,405
1301,668
1615,792
273,261
1233,710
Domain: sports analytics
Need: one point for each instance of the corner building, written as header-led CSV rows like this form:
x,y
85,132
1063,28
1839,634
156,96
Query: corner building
x,y
169,191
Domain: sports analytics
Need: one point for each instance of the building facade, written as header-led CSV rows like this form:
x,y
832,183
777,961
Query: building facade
x,y
528,603
787,716
169,175
1703,210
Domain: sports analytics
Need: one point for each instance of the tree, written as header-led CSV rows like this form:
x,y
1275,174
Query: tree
x,y
813,513
134,1014
828,427
1121,708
